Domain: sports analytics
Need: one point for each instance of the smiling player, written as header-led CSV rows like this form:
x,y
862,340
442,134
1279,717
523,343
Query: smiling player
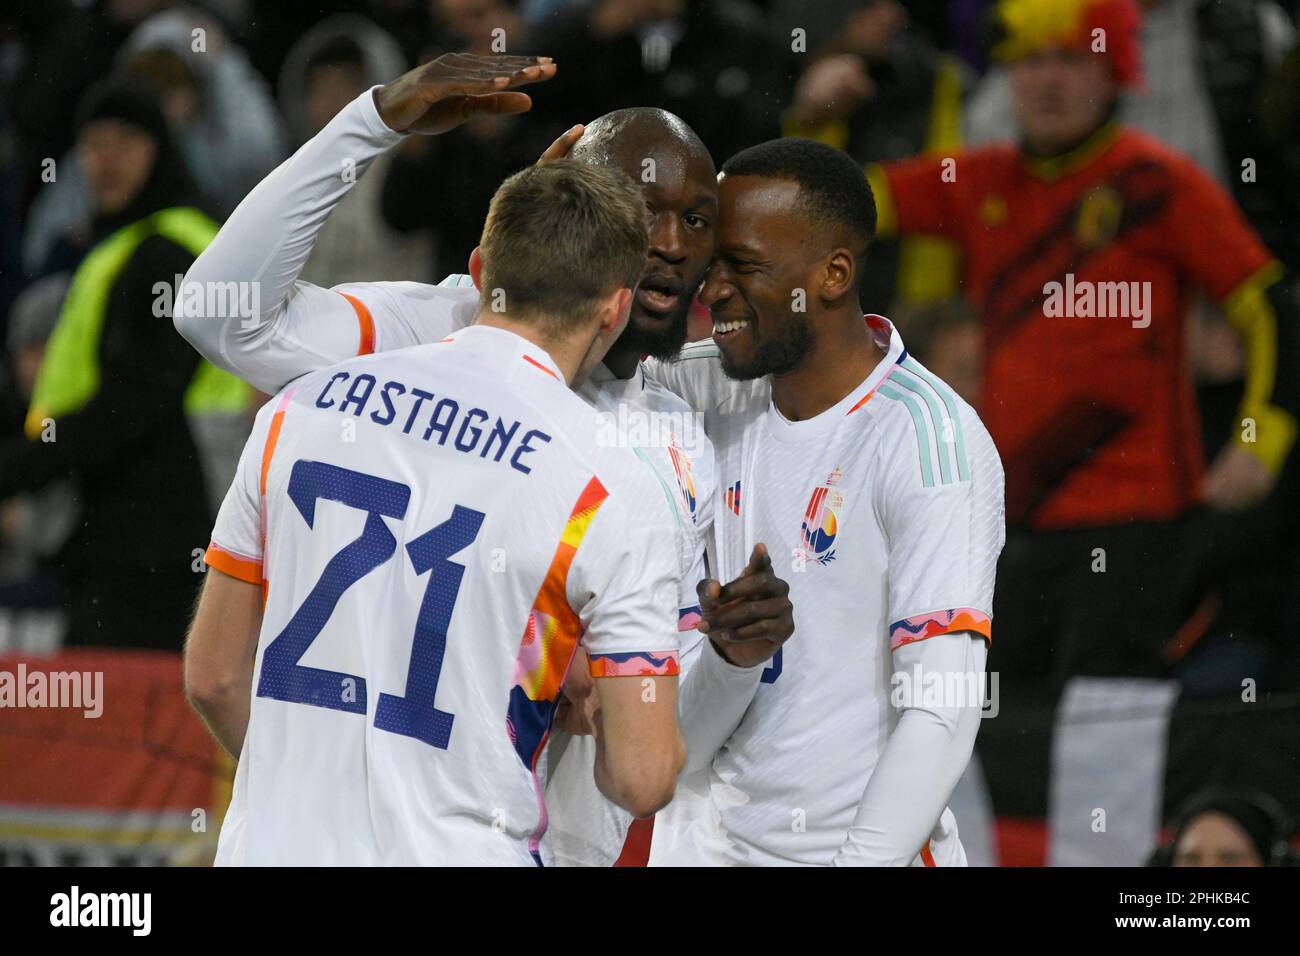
x,y
302,328
879,493
387,690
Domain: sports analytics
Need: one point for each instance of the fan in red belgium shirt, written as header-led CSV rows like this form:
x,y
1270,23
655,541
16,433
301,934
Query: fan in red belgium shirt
x,y
1082,248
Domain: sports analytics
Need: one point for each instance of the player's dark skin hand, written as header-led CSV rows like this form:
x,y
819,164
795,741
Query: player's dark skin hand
x,y
445,92
749,619
560,148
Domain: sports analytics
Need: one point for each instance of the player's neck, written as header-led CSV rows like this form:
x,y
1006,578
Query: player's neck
x,y
567,352
621,361
842,357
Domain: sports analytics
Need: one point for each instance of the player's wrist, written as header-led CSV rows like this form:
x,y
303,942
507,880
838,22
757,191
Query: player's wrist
x,y
721,651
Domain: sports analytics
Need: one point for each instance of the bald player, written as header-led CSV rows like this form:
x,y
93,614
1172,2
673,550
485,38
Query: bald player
x,y
298,328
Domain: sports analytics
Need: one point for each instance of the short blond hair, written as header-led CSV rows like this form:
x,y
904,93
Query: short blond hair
x,y
560,236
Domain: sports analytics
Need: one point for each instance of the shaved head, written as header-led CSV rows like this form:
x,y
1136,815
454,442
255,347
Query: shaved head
x,y
612,138
679,183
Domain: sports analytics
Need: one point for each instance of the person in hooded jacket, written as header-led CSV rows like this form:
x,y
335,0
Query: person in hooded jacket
x,y
110,403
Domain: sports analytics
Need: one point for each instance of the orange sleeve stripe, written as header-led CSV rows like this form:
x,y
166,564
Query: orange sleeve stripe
x,y
926,856
273,436
366,322
268,450
237,566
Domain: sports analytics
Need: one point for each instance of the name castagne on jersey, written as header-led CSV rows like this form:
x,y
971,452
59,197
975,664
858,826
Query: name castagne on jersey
x,y
397,402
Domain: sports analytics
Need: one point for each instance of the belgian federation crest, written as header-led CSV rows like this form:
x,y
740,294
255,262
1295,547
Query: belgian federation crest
x,y
821,520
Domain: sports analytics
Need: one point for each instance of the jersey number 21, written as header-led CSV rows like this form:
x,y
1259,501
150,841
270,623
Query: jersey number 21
x,y
413,714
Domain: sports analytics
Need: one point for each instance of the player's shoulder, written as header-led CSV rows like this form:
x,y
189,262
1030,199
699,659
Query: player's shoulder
x,y
685,423
593,439
630,482
449,290
406,313
457,280
927,432
706,351
696,375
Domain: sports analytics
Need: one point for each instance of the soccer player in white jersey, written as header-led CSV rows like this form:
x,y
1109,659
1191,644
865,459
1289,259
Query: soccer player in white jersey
x,y
880,495
434,529
300,327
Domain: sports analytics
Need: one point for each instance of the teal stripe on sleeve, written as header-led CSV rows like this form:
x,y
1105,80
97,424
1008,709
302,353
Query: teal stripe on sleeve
x,y
927,472
936,416
945,392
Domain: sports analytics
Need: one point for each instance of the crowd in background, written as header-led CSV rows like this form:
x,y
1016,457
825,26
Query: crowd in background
x,y
131,127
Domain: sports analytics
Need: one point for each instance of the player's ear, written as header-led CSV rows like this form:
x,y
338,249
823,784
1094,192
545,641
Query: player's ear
x,y
618,306
476,267
838,277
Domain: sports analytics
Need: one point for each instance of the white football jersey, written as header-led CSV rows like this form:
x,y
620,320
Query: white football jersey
x,y
885,515
295,328
436,527
638,413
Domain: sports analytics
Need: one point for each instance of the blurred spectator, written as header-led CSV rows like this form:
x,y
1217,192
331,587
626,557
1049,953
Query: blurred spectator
x,y
879,91
221,114
273,26
33,527
61,48
334,63
1081,251
711,62
1230,827
221,110
475,26
1204,64
109,401
1250,564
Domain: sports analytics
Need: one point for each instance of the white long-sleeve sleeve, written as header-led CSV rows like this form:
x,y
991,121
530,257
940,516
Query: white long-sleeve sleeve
x,y
242,305
926,754
711,701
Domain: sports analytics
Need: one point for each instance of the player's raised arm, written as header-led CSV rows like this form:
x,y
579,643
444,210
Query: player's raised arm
x,y
242,306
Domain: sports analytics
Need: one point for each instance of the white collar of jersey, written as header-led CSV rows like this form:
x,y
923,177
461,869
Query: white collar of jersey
x,y
886,337
611,384
499,340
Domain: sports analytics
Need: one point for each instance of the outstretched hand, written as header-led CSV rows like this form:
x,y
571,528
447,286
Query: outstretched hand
x,y
442,94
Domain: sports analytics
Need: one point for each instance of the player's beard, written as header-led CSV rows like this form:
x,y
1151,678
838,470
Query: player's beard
x,y
662,343
777,352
